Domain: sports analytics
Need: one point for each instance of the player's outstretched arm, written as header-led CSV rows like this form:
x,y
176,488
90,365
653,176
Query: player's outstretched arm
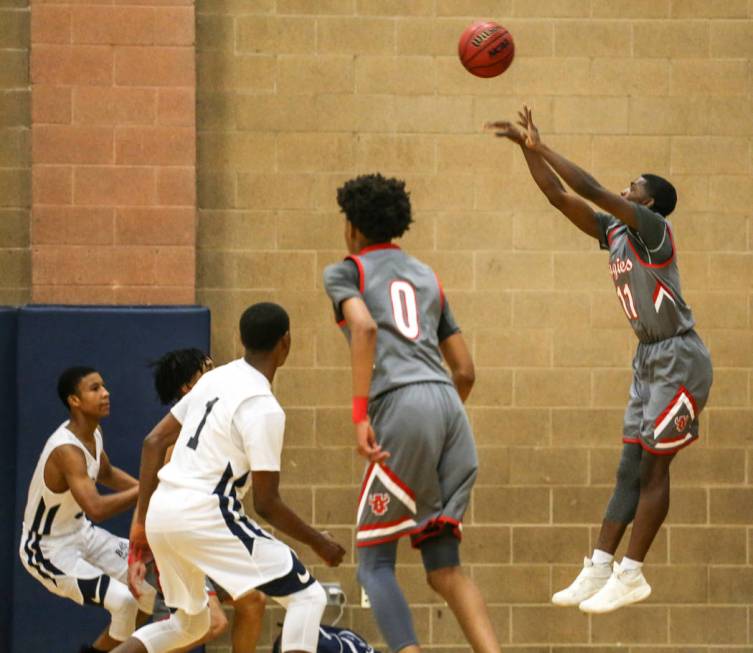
x,y
113,477
571,206
269,505
455,352
363,338
69,462
576,177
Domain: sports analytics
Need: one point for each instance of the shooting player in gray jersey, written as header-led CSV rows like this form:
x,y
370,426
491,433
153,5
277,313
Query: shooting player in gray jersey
x,y
408,413
671,369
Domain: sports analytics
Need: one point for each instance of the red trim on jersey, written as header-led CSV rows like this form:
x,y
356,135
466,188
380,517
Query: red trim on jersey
x,y
646,264
657,290
667,452
386,524
671,404
610,233
441,292
361,274
373,248
341,323
396,479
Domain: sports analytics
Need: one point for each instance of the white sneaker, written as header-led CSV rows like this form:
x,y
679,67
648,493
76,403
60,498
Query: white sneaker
x,y
589,581
622,588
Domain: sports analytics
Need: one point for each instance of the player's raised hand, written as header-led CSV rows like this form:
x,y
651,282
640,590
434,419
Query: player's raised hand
x,y
525,120
367,445
329,550
505,129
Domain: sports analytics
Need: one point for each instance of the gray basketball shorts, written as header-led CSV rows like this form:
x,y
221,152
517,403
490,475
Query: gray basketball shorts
x,y
671,383
424,487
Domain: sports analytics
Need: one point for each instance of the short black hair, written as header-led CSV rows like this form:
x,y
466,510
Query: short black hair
x,y
68,381
377,206
662,192
174,370
262,325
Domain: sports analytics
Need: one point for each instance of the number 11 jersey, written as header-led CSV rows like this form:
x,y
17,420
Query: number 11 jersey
x,y
648,290
407,302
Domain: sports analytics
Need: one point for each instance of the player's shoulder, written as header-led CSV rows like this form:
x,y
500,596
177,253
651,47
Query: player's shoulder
x,y
345,269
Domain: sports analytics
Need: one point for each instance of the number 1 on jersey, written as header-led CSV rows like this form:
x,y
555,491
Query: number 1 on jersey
x,y
193,442
404,308
626,299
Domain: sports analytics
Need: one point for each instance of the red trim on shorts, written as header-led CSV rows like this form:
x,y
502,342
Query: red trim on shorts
x,y
673,401
386,524
361,274
381,540
211,593
433,528
396,479
646,264
365,481
667,452
631,440
341,323
373,248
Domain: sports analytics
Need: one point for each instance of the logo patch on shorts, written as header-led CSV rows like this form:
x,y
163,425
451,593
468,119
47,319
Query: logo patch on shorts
x,y
122,550
379,502
681,423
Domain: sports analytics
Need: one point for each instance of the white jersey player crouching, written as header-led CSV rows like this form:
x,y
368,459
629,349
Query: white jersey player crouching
x,y
228,426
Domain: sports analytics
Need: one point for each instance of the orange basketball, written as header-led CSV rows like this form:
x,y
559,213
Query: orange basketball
x,y
486,49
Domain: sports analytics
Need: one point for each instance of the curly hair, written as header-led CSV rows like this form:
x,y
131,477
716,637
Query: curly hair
x,y
377,206
176,369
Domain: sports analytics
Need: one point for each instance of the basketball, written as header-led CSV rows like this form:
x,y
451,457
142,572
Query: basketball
x,y
486,49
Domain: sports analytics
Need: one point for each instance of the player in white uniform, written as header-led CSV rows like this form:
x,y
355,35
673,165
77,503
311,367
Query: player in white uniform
x,y
59,545
229,426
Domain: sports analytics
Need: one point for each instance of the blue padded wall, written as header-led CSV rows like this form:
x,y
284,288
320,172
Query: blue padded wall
x,y
119,342
8,324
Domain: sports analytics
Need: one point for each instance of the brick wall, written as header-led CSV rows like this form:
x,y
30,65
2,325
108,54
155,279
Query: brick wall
x,y
295,96
113,146
15,179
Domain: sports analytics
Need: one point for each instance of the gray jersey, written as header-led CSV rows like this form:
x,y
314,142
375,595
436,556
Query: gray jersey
x,y
647,283
406,301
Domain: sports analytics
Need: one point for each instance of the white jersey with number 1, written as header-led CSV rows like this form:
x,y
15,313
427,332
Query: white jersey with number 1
x,y
231,424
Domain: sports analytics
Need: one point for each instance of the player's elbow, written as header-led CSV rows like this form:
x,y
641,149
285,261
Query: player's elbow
x,y
365,329
464,377
95,512
557,198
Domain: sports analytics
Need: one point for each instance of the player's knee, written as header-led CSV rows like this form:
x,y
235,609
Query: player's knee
x,y
441,579
251,605
122,607
654,471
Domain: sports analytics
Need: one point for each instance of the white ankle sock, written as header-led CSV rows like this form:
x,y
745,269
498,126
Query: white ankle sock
x,y
629,565
600,557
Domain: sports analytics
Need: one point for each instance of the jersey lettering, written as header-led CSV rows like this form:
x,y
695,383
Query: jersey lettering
x,y
193,442
404,308
626,299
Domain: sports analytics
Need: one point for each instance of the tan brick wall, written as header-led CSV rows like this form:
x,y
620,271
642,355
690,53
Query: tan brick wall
x,y
15,153
295,96
114,152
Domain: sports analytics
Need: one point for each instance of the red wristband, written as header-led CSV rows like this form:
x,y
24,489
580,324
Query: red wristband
x,y
360,409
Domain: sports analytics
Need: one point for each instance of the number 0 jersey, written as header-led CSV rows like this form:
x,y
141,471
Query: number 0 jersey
x,y
407,302
649,292
231,424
